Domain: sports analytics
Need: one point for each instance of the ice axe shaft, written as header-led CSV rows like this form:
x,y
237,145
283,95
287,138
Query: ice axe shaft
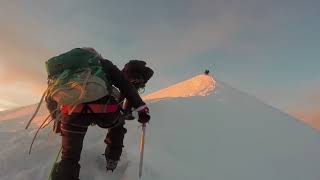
x,y
143,133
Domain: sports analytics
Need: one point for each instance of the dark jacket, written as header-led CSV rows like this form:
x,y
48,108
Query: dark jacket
x,y
119,80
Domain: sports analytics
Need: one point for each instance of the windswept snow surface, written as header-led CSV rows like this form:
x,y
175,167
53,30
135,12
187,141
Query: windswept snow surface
x,y
226,135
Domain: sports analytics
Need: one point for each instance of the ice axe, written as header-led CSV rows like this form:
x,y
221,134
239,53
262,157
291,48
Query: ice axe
x,y
143,133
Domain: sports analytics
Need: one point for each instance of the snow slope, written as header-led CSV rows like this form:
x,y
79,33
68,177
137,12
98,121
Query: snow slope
x,y
226,135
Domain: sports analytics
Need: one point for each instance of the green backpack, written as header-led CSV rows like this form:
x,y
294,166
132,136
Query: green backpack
x,y
75,77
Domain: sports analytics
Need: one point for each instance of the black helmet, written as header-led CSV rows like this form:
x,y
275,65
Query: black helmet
x,y
137,73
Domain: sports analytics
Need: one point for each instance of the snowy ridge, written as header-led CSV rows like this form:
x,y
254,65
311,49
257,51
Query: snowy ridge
x,y
201,85
224,135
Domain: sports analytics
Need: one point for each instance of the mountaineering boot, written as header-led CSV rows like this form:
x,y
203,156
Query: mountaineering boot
x,y
111,164
66,170
114,141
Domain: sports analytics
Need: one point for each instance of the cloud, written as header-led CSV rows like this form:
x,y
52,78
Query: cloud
x,y
28,38
308,110
4,104
22,60
315,97
22,69
310,116
170,33
235,28
177,41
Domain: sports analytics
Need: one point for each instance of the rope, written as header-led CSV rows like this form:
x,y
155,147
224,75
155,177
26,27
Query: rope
x,y
46,94
56,110
34,137
83,89
37,109
47,123
54,83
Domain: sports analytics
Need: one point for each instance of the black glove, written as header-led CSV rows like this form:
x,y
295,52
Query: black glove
x,y
144,116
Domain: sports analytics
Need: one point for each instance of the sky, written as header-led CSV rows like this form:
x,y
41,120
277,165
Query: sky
x,y
269,49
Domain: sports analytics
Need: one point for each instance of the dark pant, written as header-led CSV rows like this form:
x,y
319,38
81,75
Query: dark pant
x,y
114,141
73,130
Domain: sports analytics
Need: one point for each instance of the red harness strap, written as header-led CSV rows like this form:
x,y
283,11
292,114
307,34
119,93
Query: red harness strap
x,y
96,108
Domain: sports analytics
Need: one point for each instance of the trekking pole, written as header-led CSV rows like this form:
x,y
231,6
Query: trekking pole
x,y
143,133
